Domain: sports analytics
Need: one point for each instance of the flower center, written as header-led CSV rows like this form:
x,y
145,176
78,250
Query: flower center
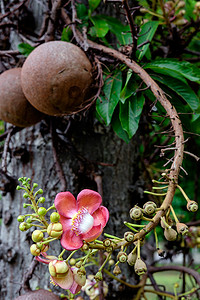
x,y
82,221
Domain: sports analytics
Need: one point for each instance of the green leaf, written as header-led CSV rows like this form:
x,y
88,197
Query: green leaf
x,y
130,112
117,127
66,34
181,89
147,32
25,49
108,102
183,68
93,4
100,25
129,87
81,10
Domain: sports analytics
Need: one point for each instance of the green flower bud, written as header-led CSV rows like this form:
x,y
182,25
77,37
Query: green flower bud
x,y
42,211
107,242
18,188
21,218
85,247
23,226
29,220
72,262
122,257
136,213
117,270
129,236
98,277
55,230
41,199
25,205
170,234
149,208
78,264
182,228
25,195
111,262
37,236
58,268
132,258
35,251
140,267
35,185
192,206
54,217
40,191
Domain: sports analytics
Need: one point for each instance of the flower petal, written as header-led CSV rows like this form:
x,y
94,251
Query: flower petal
x,y
65,282
75,288
66,223
93,234
65,204
70,241
101,216
89,199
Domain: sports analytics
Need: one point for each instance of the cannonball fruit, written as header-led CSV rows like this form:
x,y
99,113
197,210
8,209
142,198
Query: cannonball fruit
x,y
38,295
14,107
56,77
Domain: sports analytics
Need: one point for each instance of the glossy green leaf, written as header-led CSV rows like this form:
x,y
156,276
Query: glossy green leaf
x,y
66,34
130,112
181,89
101,26
129,87
111,95
93,4
148,30
25,49
183,68
117,127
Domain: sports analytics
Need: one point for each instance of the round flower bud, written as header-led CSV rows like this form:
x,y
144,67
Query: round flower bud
x,y
20,218
41,199
54,217
182,228
170,234
29,220
42,211
111,262
23,226
55,230
192,206
122,257
85,247
37,236
136,213
140,267
25,195
58,268
98,277
79,264
117,270
72,262
109,249
35,185
35,250
107,242
132,258
129,236
149,207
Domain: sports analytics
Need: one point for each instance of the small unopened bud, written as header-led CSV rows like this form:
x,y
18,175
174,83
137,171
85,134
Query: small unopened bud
x,y
35,250
98,277
129,236
161,252
29,220
20,218
42,211
109,249
140,267
18,188
136,213
37,236
182,228
41,199
35,185
170,234
58,268
25,195
111,262
181,13
192,206
181,4
132,258
122,257
40,191
55,230
149,207
79,264
117,270
23,226
72,262
107,242
85,247
25,205
54,217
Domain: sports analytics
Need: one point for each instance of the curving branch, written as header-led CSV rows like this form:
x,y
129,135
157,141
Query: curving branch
x,y
171,112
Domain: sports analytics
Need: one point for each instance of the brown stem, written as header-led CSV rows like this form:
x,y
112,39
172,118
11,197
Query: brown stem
x,y
52,20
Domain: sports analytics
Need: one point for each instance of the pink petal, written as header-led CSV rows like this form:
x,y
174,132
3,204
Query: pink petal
x,y
70,241
75,288
66,223
65,282
101,216
93,234
89,199
65,204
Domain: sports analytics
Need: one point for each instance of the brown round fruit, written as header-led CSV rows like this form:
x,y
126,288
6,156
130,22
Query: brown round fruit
x,y
14,107
56,78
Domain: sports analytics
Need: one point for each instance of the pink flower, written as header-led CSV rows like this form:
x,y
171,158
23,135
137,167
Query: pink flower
x,y
82,220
